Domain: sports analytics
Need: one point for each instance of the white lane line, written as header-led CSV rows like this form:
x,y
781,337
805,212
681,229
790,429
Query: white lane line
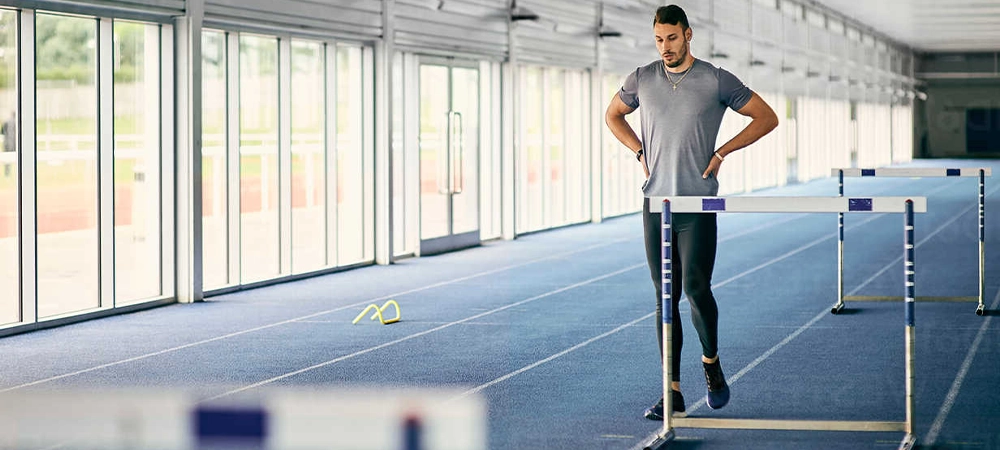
x,y
425,332
714,286
305,317
634,322
956,386
317,314
320,313
447,325
921,242
762,226
550,358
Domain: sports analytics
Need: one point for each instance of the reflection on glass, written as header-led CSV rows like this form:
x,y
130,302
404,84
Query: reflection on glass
x,y
9,270
66,99
465,149
308,158
259,224
434,186
632,174
400,229
489,168
623,175
555,98
215,243
137,161
609,158
350,164
577,159
533,95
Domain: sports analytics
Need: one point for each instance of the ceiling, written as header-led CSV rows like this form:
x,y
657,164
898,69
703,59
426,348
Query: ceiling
x,y
929,25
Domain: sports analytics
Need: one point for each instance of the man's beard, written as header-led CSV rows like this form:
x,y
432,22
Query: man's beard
x,y
682,57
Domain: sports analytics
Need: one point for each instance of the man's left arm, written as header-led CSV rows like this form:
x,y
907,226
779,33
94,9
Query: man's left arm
x,y
764,120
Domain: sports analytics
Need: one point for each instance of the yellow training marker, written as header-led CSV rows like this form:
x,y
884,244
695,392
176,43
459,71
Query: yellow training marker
x,y
378,312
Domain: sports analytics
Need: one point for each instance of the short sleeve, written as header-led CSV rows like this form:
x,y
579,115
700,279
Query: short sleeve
x,y
630,90
732,92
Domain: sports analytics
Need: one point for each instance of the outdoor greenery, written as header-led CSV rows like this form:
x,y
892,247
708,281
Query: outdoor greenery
x,y
66,61
66,48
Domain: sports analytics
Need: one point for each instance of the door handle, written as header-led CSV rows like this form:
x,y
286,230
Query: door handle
x,y
444,161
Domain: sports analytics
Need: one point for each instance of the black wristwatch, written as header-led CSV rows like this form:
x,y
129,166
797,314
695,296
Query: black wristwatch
x,y
638,155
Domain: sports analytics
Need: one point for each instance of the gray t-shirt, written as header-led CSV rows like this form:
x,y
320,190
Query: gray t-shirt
x,y
680,126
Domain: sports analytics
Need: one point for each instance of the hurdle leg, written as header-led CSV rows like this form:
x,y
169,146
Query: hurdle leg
x,y
840,252
981,309
666,281
909,271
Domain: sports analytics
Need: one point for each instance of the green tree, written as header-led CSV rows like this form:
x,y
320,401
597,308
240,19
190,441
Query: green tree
x,y
66,48
8,48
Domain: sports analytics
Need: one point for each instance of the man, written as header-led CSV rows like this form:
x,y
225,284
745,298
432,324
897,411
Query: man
x,y
683,100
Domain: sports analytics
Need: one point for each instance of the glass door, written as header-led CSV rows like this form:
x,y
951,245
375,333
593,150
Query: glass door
x,y
449,155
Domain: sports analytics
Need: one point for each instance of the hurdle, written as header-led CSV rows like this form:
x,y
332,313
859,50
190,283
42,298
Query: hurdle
x,y
914,172
287,418
905,205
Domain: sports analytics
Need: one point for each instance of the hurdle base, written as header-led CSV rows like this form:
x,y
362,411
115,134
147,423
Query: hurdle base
x,y
981,310
660,442
889,298
908,442
788,425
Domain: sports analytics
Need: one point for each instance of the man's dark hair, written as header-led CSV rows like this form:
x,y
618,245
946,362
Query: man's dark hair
x,y
671,15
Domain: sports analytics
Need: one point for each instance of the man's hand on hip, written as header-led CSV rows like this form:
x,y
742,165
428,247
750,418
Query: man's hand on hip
x,y
713,168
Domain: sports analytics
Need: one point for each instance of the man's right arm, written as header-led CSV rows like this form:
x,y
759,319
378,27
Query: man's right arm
x,y
615,118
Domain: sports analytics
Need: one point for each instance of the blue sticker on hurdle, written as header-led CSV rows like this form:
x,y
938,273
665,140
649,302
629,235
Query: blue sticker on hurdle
x,y
953,172
868,172
713,204
412,433
223,424
859,204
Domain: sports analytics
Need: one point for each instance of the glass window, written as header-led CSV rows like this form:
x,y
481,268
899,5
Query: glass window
x,y
214,204
137,161
555,98
259,222
791,9
577,154
9,272
623,175
533,218
465,90
350,162
434,108
400,241
308,157
836,26
609,153
66,99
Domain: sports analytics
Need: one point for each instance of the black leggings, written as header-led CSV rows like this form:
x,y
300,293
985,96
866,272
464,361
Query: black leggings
x,y
694,243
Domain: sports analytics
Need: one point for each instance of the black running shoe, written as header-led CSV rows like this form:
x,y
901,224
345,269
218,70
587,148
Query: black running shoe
x,y
718,390
655,412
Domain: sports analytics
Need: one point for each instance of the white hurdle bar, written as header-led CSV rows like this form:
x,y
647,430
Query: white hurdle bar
x,y
905,205
915,172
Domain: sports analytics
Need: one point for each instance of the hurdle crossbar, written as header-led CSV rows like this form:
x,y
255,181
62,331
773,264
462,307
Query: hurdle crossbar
x,y
904,205
915,172
792,204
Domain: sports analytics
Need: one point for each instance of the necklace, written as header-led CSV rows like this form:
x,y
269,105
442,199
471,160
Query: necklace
x,y
667,73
